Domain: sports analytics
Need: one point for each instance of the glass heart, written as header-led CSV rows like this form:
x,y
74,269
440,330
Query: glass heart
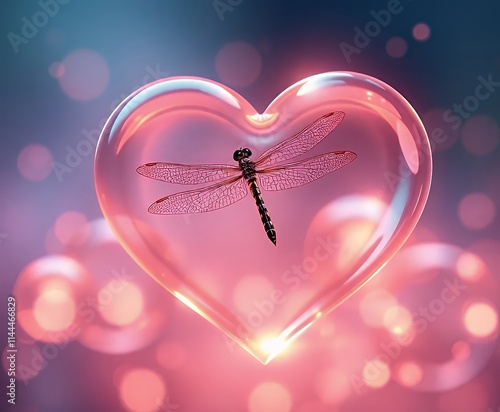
x,y
333,233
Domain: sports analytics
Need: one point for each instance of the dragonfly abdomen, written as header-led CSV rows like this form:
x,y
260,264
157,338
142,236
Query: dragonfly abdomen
x,y
264,214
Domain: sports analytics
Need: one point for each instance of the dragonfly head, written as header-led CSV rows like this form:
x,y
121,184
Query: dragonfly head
x,y
242,153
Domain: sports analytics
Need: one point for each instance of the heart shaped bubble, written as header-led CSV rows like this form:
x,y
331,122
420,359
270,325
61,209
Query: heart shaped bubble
x,y
221,264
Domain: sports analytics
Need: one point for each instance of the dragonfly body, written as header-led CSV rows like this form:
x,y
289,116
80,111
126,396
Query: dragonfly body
x,y
233,183
250,174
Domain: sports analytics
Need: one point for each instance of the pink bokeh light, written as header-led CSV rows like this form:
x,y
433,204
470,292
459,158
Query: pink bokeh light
x,y
142,390
71,226
396,47
48,292
238,64
476,211
270,397
34,162
86,75
57,70
480,135
421,32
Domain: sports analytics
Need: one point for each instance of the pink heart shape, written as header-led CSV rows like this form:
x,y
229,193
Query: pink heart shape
x,y
333,234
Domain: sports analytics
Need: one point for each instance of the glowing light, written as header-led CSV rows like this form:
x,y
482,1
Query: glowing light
x,y
142,390
86,75
421,32
48,292
188,303
126,302
476,211
34,162
481,320
397,320
270,397
54,309
374,305
262,120
376,374
273,346
410,374
396,47
238,64
470,267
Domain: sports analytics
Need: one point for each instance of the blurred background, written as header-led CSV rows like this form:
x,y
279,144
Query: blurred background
x,y
423,335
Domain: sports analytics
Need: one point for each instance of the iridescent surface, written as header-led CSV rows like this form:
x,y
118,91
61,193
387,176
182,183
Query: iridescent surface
x,y
202,258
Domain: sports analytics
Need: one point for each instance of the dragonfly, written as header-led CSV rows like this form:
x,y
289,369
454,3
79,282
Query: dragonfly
x,y
231,183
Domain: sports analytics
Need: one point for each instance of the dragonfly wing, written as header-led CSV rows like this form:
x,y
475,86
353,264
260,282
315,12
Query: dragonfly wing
x,y
303,172
187,174
302,141
206,199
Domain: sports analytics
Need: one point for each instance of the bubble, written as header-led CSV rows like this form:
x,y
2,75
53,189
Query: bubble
x,y
333,234
476,211
396,47
86,75
421,32
127,310
444,337
48,292
480,135
270,397
238,64
142,390
35,162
